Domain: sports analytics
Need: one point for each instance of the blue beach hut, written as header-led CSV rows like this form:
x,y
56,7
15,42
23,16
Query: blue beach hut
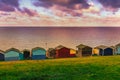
x,y
13,55
108,51
38,53
1,55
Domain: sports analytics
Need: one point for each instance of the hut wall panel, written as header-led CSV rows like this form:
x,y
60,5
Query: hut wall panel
x,y
72,55
39,52
101,52
72,51
79,54
63,53
1,57
108,51
118,50
11,58
11,54
86,51
96,51
37,57
21,56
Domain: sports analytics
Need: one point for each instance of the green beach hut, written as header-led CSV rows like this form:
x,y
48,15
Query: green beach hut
x,y
13,54
38,53
117,49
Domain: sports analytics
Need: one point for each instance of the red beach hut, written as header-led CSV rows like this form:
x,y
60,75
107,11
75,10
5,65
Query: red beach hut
x,y
62,52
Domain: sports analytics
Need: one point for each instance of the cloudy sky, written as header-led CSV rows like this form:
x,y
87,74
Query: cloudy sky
x,y
59,13
28,38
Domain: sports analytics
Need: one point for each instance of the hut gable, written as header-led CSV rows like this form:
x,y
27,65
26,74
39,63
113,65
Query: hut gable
x,y
117,44
81,46
59,47
101,47
2,52
113,47
12,49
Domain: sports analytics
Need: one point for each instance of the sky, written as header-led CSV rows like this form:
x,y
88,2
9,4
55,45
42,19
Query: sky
x,y
28,38
47,13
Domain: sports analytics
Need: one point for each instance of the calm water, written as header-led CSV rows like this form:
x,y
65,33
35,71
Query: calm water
x,y
29,37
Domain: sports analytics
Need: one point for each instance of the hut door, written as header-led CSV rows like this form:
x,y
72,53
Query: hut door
x,y
108,51
101,52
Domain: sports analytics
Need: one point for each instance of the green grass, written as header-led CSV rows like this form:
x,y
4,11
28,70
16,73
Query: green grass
x,y
88,68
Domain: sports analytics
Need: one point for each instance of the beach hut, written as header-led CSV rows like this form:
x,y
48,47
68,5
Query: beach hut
x,y
114,49
62,52
13,54
117,49
26,54
84,50
1,55
38,53
51,52
104,50
95,51
72,52
101,49
108,51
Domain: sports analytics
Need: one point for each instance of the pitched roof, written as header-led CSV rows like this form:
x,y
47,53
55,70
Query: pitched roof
x,y
59,47
113,47
1,51
82,46
117,44
50,49
72,49
38,48
101,47
13,49
25,50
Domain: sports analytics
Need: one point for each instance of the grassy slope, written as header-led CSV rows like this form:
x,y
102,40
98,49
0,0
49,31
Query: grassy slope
x,y
91,68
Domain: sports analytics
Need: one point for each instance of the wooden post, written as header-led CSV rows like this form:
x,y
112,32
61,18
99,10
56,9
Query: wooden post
x,y
79,52
103,52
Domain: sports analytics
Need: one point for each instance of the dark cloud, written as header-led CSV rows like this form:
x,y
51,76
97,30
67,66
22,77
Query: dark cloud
x,y
115,4
29,12
67,6
65,3
9,5
4,7
14,3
